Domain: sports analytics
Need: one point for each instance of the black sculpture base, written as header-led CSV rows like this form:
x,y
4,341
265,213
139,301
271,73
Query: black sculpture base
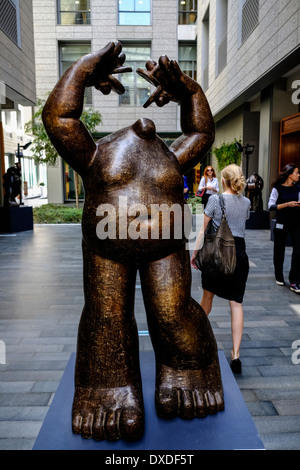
x,y
227,430
16,219
258,220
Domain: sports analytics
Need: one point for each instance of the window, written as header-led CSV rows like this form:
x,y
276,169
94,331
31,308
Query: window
x,y
187,58
250,18
205,51
137,91
69,53
187,11
10,20
134,12
221,35
74,12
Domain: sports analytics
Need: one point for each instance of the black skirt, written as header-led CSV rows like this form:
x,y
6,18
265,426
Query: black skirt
x,y
230,287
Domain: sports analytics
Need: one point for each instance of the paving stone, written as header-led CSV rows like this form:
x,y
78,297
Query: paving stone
x,y
259,408
24,399
287,407
16,444
19,429
281,440
16,387
273,424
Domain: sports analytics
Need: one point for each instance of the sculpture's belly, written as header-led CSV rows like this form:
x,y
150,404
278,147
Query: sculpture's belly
x,y
120,227
134,205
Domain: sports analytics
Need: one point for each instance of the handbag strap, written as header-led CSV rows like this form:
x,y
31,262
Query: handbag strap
x,y
222,203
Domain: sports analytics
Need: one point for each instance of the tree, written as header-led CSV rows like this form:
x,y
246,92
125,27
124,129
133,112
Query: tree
x,y
42,148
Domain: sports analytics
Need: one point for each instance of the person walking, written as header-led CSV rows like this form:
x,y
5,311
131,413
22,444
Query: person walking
x,y
209,184
285,199
230,287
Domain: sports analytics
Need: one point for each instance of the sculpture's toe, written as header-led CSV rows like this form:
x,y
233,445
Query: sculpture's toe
x,y
186,404
200,406
112,432
166,401
99,425
211,405
131,424
87,425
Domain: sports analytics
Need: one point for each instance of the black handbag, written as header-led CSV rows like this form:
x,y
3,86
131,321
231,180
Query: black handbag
x,y
218,253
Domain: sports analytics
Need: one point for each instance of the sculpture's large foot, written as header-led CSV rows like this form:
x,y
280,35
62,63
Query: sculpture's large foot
x,y
189,393
112,413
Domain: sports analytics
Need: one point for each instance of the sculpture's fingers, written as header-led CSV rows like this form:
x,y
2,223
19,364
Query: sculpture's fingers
x,y
147,75
122,70
121,58
104,87
164,63
108,49
153,97
163,98
175,68
116,85
150,65
118,48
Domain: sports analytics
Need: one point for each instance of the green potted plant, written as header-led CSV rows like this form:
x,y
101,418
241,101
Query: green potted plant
x,y
227,154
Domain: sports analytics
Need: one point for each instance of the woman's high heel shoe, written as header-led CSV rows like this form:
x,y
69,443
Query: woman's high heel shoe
x,y
236,366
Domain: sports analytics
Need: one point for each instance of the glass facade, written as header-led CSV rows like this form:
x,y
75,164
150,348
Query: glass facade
x,y
137,90
187,11
74,12
134,12
187,59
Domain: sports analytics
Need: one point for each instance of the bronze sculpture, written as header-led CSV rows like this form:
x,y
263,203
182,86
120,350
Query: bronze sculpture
x,y
135,165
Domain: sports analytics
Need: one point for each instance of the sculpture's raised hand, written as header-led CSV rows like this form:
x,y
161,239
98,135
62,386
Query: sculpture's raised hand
x,y
102,64
170,82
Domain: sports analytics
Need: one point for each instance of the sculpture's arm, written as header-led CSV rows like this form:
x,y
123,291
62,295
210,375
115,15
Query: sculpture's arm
x,y
197,124
62,111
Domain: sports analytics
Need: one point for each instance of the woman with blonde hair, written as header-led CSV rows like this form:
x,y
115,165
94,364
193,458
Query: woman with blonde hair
x,y
230,287
209,184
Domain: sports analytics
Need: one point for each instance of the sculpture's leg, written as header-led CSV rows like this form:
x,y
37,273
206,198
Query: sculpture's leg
x,y
108,401
188,380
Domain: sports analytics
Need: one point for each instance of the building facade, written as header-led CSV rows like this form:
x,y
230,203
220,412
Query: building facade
x,y
65,30
248,64
17,80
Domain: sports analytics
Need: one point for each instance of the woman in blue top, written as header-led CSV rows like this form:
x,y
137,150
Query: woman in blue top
x,y
285,199
230,287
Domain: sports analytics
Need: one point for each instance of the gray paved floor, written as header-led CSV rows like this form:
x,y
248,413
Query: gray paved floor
x,y
41,301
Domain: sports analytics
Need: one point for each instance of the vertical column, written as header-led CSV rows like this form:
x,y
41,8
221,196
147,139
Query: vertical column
x,y
265,129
